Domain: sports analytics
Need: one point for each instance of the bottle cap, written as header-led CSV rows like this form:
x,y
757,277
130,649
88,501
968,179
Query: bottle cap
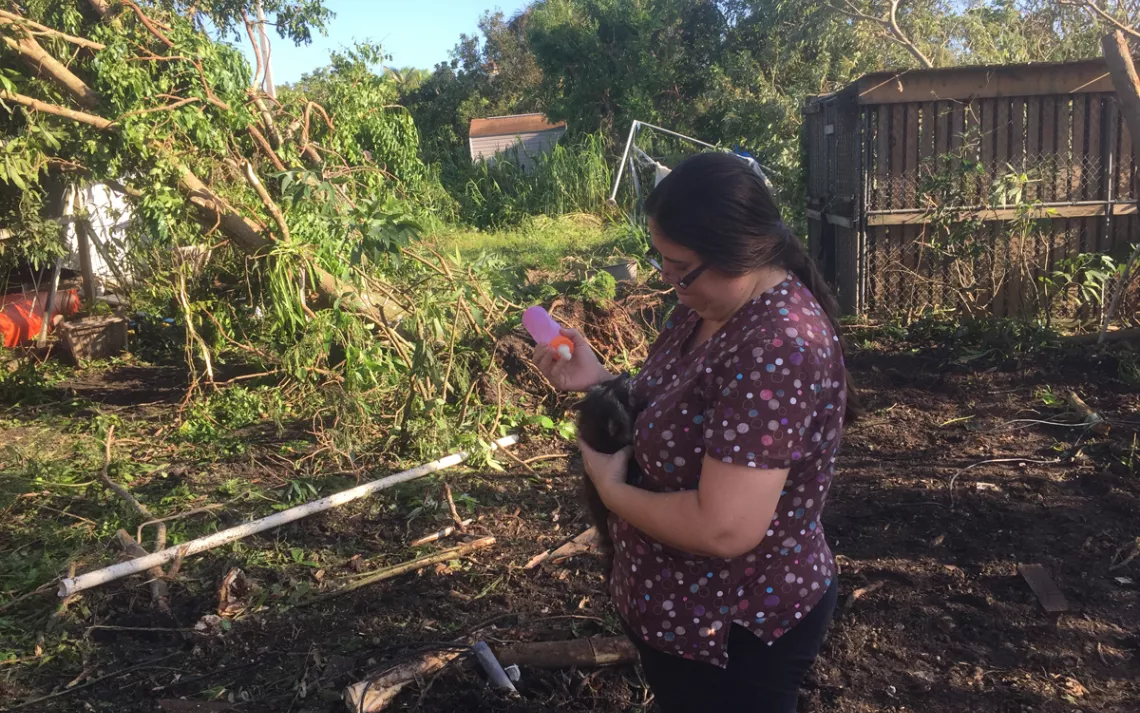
x,y
563,346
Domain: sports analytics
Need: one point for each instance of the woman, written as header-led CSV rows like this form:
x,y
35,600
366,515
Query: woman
x,y
722,574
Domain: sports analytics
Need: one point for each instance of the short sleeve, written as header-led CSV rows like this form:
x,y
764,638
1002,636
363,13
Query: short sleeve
x,y
763,402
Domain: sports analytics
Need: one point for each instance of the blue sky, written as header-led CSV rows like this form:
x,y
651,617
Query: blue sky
x,y
417,33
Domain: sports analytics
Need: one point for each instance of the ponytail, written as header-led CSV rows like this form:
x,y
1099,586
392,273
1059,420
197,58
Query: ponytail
x,y
796,260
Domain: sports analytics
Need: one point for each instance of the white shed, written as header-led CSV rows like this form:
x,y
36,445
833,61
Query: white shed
x,y
531,134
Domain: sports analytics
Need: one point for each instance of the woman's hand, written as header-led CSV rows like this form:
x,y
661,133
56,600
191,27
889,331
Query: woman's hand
x,y
579,373
606,470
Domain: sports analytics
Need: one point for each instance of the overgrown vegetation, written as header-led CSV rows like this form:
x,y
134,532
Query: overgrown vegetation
x,y
731,72
325,288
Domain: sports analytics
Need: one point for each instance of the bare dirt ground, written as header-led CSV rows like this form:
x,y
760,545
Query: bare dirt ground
x,y
933,614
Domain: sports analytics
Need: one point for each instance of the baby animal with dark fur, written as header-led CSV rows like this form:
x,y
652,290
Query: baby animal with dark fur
x,y
606,422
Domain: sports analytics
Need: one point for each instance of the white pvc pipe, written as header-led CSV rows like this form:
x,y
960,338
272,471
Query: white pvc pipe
x,y
71,585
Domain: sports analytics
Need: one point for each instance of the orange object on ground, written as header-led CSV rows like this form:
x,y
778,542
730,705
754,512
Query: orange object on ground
x,y
21,317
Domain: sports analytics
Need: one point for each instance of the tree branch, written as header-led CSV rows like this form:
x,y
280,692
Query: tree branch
x,y
1118,57
247,234
256,51
266,149
44,64
890,25
35,28
36,105
101,7
165,107
266,199
267,119
148,24
306,148
210,96
1097,11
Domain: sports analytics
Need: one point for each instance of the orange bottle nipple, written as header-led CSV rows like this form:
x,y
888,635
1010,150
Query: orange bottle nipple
x,y
564,346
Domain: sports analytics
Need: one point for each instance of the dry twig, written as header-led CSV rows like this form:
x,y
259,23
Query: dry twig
x,y
403,568
451,507
119,489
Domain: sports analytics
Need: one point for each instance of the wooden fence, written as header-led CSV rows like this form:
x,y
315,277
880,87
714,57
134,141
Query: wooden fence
x,y
961,188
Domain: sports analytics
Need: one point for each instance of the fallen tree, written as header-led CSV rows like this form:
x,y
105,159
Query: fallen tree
x,y
307,203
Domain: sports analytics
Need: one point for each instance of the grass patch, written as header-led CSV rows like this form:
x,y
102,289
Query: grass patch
x,y
544,242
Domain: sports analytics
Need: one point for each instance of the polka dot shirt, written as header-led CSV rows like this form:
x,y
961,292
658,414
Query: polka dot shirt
x,y
766,392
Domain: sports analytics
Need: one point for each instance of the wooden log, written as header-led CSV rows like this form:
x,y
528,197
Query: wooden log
x,y
584,653
582,542
159,591
374,694
1050,596
1120,335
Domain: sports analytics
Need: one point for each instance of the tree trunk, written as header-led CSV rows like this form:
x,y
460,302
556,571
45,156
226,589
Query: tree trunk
x,y
248,235
1118,57
48,67
591,652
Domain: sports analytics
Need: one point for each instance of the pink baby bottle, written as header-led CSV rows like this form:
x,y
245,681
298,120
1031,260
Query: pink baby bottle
x,y
545,330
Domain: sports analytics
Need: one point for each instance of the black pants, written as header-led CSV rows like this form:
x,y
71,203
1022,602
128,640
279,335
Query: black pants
x,y
759,678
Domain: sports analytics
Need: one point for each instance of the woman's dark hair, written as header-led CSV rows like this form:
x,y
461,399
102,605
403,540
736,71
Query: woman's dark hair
x,y
717,205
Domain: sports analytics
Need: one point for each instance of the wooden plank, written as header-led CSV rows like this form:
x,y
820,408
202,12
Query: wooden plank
x,y
1094,184
898,169
928,133
1063,139
881,195
910,187
874,273
1124,160
1047,591
928,144
1062,247
957,125
1033,146
1002,139
1017,134
942,133
970,146
1011,244
815,237
83,245
993,236
1078,149
962,83
898,155
921,216
1049,162
988,137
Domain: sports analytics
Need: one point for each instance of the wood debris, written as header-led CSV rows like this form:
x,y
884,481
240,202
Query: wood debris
x,y
1044,587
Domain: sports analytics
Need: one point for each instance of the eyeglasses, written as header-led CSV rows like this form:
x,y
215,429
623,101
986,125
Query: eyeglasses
x,y
685,281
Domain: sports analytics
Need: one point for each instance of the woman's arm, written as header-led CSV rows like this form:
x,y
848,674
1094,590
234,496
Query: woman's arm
x,y
726,516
